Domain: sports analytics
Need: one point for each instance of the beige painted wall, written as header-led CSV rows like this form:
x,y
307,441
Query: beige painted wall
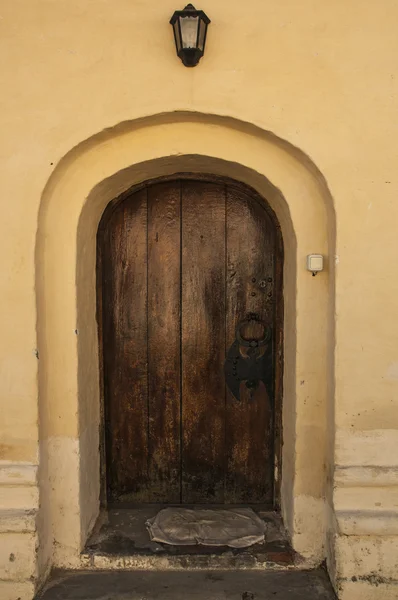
x,y
319,75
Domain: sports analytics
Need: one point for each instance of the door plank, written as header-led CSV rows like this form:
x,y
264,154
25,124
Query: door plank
x,y
125,349
203,342
249,423
164,341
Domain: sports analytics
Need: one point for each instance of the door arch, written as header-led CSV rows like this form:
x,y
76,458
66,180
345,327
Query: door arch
x,y
181,261
85,180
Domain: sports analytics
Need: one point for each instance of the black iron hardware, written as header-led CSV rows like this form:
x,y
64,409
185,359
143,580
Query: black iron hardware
x,y
190,30
250,360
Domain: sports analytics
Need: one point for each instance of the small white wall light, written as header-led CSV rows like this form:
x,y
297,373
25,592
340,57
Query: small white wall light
x,y
315,263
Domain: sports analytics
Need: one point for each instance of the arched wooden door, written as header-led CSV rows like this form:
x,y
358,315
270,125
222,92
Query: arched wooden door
x,y
182,262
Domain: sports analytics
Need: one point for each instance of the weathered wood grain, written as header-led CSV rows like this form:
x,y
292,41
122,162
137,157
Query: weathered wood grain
x,y
164,334
250,275
125,348
203,342
181,263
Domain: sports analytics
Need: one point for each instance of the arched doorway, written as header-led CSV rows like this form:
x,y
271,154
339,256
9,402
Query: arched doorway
x,y
190,318
86,180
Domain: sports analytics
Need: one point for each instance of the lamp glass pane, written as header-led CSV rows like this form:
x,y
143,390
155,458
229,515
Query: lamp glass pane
x,y
189,31
202,34
177,35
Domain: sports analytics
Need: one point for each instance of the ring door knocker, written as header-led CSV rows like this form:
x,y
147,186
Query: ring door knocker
x,y
252,366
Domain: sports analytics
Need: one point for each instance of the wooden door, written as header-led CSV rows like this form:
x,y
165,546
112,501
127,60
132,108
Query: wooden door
x,y
181,263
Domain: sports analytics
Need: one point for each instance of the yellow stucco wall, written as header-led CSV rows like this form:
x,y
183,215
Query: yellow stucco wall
x,y
321,77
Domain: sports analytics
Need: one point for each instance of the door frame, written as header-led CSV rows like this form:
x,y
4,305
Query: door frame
x,y
279,317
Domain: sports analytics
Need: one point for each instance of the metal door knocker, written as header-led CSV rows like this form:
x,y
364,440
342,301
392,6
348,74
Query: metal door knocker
x,y
250,359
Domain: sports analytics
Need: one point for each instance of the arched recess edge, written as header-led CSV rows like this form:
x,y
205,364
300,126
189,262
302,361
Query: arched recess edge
x,y
83,183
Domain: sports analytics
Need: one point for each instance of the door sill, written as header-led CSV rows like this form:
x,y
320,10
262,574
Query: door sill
x,y
121,541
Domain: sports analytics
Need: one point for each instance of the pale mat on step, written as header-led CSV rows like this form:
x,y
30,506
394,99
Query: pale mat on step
x,y
237,528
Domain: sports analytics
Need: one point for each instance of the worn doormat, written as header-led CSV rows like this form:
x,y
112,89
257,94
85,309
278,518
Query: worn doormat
x,y
237,528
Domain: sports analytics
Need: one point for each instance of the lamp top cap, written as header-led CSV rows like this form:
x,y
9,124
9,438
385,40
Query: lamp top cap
x,y
190,11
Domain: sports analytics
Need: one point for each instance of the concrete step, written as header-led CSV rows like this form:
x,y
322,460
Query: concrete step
x,y
189,585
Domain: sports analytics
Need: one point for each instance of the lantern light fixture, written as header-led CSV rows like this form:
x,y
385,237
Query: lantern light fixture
x,y
190,29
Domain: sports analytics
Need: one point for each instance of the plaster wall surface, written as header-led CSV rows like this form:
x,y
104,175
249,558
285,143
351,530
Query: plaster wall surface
x,y
320,75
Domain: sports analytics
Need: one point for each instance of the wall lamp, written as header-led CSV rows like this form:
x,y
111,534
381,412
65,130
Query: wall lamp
x,y
190,29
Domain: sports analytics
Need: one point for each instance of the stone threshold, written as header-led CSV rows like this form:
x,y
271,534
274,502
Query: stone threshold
x,y
120,541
